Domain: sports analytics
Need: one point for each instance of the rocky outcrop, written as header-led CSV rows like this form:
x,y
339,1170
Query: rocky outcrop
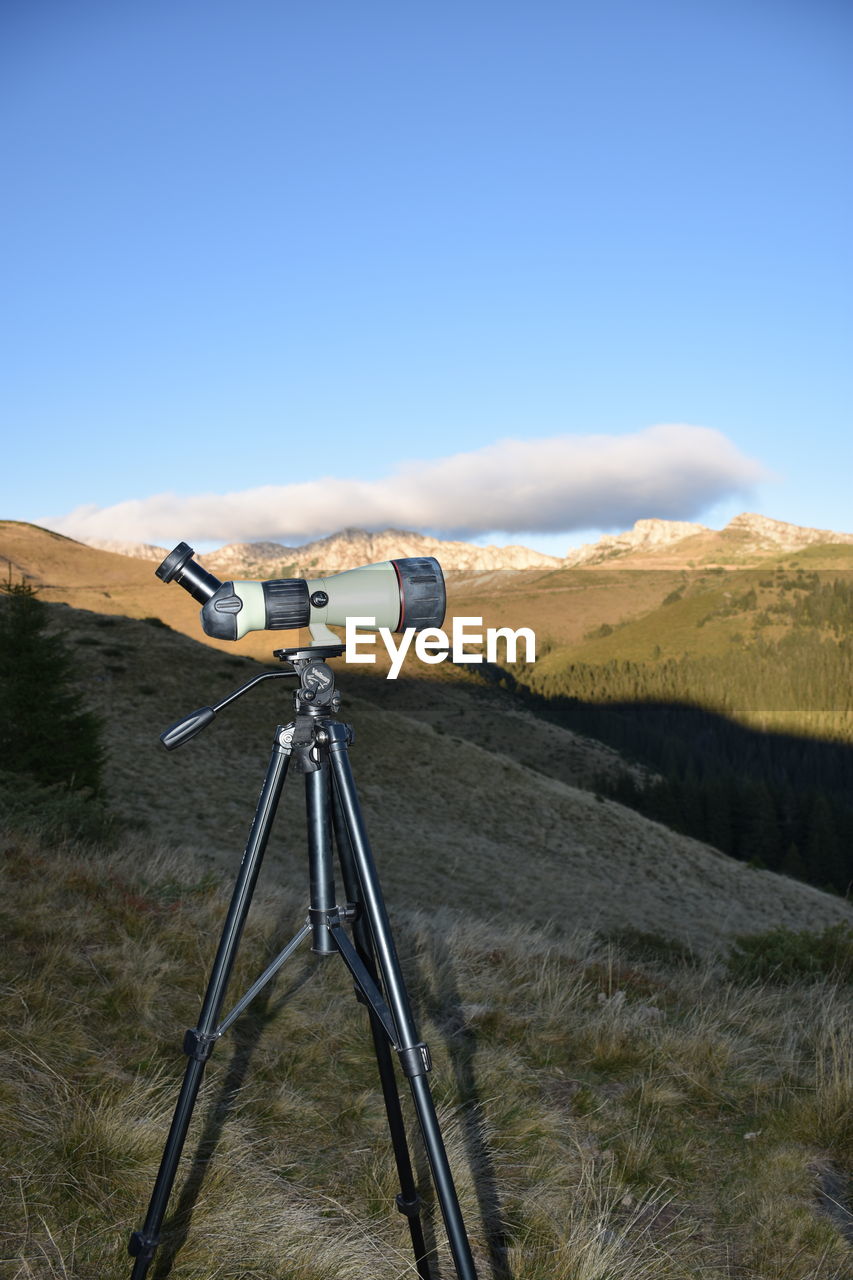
x,y
251,560
745,535
760,533
646,535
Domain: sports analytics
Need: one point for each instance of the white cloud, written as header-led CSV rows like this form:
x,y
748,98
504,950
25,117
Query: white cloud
x,y
552,485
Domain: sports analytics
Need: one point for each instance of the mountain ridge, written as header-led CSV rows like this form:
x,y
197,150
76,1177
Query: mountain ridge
x,y
747,534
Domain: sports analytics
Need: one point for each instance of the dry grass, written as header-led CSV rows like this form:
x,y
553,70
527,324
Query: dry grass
x,y
606,1118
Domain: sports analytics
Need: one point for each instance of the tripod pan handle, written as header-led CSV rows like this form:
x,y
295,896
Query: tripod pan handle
x,y
182,730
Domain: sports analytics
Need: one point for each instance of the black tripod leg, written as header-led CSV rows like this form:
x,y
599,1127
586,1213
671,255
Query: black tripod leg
x,y
198,1043
414,1056
408,1201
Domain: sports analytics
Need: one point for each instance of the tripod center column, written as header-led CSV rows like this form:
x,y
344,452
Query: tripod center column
x,y
321,877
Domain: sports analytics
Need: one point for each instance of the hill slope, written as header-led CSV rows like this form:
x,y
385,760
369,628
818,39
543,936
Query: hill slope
x,y
455,822
461,787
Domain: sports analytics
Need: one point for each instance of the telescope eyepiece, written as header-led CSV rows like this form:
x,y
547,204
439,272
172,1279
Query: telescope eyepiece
x,y
174,561
180,567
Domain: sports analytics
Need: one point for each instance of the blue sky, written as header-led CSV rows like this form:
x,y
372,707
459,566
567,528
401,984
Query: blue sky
x,y
508,272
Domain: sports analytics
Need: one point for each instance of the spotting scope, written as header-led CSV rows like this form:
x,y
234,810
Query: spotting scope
x,y
397,594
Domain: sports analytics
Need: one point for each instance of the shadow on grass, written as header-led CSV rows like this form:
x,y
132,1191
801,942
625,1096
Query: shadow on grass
x,y
247,1034
442,1003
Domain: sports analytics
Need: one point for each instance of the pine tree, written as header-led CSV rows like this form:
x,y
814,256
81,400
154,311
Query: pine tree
x,y
760,827
793,865
822,855
44,731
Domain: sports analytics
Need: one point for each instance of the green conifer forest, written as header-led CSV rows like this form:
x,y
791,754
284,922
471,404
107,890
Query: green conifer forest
x,y
750,742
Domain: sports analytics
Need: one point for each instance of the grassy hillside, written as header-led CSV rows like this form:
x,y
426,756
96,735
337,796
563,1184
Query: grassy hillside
x,y
488,763
648,615
735,687
457,795
607,1116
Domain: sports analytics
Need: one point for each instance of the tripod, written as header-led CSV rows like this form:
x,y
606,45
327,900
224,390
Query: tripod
x,y
316,745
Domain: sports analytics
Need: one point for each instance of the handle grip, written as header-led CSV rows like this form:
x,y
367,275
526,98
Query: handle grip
x,y
182,730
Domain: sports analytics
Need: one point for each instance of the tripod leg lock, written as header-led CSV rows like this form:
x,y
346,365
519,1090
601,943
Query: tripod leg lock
x,y
304,745
415,1060
142,1246
199,1044
411,1208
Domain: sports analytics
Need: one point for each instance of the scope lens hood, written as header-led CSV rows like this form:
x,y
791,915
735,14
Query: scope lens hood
x,y
423,599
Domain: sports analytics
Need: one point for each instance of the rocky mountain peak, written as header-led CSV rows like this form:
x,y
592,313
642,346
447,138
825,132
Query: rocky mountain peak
x,y
762,532
646,535
350,548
